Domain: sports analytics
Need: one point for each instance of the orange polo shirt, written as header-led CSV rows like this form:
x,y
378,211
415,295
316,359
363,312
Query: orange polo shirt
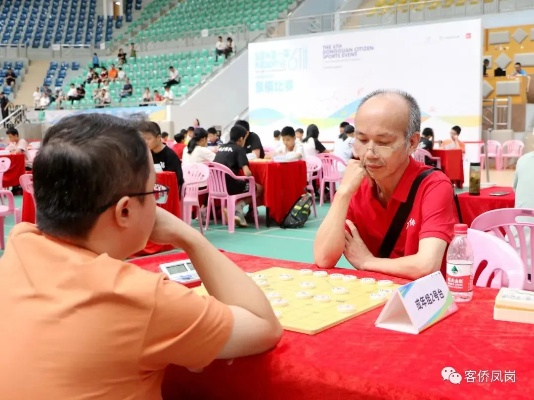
x,y
451,143
77,325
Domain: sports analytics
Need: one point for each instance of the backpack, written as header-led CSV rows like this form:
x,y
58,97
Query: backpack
x,y
299,213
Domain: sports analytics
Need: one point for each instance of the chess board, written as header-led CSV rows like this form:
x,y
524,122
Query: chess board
x,y
309,303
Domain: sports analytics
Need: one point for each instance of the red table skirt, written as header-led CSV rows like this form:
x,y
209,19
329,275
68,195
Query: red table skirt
x,y
17,168
451,164
283,184
473,206
356,360
173,205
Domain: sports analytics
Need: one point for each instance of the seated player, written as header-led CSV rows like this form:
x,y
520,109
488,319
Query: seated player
x,y
299,134
80,323
252,141
179,146
387,133
289,148
454,142
234,156
161,154
17,145
213,138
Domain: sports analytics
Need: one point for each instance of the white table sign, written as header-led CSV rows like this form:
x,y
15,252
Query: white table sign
x,y
418,305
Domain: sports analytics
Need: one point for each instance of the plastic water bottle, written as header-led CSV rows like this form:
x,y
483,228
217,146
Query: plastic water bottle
x,y
460,265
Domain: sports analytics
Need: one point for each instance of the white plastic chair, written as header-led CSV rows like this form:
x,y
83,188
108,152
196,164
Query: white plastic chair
x,y
195,176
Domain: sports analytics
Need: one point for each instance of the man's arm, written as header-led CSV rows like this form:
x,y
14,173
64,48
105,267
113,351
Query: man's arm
x,y
330,239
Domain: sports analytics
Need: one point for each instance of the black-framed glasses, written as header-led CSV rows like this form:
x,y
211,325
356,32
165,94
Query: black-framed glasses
x,y
160,192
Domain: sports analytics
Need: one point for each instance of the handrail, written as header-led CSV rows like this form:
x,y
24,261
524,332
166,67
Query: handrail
x,y
16,117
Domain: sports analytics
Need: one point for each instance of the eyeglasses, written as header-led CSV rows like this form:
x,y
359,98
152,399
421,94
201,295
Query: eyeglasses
x,y
160,192
379,151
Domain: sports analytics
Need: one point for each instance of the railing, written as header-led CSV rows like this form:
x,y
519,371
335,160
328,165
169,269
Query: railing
x,y
16,117
497,113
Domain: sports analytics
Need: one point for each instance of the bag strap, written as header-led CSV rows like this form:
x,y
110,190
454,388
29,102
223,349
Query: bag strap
x,y
401,215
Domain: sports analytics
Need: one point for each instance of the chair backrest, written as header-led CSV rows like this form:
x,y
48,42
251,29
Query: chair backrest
x,y
5,163
330,164
501,259
31,154
194,175
217,179
420,154
313,167
514,226
494,146
513,147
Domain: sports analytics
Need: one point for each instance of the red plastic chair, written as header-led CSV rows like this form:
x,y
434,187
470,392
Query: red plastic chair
x,y
195,176
313,169
420,154
511,149
504,266
514,226
494,151
330,174
218,191
5,163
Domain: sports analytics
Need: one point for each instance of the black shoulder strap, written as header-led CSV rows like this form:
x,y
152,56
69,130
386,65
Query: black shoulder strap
x,y
399,220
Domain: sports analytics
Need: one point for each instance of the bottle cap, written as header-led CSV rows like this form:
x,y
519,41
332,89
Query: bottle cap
x,y
460,229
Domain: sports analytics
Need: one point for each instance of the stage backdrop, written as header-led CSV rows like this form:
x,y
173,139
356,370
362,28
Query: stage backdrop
x,y
321,79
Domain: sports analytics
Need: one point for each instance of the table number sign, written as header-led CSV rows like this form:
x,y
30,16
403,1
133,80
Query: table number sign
x,y
418,305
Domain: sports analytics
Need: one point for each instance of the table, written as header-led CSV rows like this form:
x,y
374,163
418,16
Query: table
x,y
356,360
173,205
451,164
473,206
17,168
283,184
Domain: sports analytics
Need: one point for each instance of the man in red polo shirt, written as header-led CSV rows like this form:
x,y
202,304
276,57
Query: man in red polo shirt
x,y
387,133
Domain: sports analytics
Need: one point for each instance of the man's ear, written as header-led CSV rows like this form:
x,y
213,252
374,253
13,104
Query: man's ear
x,y
123,212
414,141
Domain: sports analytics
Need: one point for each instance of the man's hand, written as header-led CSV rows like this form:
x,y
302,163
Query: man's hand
x,y
354,174
169,229
356,252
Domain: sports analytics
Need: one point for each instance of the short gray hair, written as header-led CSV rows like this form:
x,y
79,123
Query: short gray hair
x,y
414,122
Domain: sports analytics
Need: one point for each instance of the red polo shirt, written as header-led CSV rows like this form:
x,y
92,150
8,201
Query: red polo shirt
x,y
433,213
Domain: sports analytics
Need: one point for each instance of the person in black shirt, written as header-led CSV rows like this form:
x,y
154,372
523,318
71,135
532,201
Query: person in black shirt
x,y
4,104
161,154
252,140
427,139
233,155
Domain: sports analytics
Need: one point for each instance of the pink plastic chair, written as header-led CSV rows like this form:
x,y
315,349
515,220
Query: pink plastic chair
x,y
5,163
420,154
516,227
313,168
503,263
330,174
218,191
195,176
494,151
511,149
7,207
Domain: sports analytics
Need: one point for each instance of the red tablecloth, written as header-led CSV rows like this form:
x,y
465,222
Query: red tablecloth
x,y
17,168
473,206
451,164
356,360
173,205
283,184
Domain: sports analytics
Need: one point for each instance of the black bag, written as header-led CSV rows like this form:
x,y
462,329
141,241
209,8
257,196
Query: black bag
x,y
299,213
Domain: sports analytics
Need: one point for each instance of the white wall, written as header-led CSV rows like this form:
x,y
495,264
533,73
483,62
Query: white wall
x,y
524,17
219,101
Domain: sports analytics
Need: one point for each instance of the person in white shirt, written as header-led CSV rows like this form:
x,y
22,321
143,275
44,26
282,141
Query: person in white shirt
x,y
17,145
72,94
36,97
290,148
220,47
168,95
343,146
104,98
311,143
299,135
174,77
44,101
277,140
121,75
197,148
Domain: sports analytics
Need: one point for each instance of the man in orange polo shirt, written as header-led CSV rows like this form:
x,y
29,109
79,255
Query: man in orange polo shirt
x,y
80,323
387,133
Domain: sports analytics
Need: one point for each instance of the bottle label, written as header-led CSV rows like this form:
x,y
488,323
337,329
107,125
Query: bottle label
x,y
459,278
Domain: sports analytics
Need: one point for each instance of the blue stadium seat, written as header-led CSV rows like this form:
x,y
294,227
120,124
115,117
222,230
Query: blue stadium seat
x,y
75,66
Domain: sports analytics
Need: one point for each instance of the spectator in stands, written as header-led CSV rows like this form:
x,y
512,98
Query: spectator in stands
x,y
230,47
519,71
4,106
454,142
290,148
220,48
343,144
168,95
234,156
72,94
196,123
161,154
104,99
121,75
174,77
133,52
113,73
427,139
96,61
213,137
312,145
299,135
48,92
89,76
121,57
44,102
127,89
485,68
16,145
105,85
36,97
89,292
81,92
179,147
252,141
157,97
10,77
103,74
197,150
147,98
